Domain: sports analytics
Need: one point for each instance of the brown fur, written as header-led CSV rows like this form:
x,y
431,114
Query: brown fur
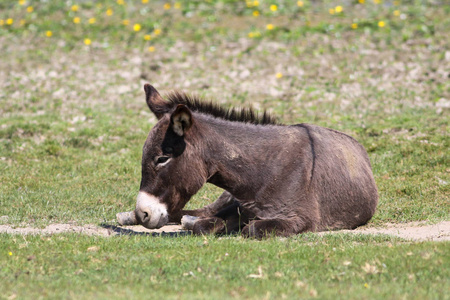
x,y
278,179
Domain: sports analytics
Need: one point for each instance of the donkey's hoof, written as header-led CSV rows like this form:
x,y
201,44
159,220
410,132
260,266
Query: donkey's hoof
x,y
187,222
127,218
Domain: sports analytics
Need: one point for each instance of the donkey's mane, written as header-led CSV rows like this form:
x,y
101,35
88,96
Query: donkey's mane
x,y
197,104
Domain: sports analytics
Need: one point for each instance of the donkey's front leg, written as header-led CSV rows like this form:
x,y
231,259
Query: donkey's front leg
x,y
278,227
208,225
188,217
228,220
224,200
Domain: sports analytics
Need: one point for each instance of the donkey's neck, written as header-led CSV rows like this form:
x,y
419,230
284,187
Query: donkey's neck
x,y
237,154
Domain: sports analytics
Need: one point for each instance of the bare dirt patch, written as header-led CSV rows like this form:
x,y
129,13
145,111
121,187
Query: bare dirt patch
x,y
417,231
91,229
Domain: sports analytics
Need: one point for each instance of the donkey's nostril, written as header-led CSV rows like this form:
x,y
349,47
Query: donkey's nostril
x,y
145,215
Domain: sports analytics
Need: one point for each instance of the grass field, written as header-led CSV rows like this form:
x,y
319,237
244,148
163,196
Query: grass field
x,y
73,121
307,266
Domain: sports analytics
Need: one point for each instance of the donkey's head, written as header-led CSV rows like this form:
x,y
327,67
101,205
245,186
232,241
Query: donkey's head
x,y
172,168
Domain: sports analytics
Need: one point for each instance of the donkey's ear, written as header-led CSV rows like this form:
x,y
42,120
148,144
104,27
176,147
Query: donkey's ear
x,y
155,102
181,119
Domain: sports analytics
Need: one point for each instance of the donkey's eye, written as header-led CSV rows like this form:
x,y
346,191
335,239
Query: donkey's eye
x,y
162,159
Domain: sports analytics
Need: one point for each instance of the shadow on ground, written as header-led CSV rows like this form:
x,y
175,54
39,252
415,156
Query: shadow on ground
x,y
169,231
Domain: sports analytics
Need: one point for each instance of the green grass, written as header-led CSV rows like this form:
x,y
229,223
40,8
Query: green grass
x,y
73,121
308,266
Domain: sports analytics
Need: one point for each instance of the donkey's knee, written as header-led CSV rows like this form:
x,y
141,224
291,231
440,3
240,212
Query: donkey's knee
x,y
229,220
187,222
211,225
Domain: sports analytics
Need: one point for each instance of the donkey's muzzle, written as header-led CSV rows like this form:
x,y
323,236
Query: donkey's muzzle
x,y
150,211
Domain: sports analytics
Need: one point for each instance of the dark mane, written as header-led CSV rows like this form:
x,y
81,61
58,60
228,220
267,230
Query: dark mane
x,y
245,115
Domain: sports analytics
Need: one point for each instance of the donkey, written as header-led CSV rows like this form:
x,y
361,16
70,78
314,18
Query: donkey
x,y
278,179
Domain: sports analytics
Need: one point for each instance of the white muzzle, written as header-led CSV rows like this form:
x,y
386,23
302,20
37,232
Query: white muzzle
x,y
150,212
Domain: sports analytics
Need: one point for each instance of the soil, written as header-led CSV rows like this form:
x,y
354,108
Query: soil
x,y
416,231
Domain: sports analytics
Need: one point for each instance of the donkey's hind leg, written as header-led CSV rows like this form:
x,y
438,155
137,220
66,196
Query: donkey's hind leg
x,y
278,227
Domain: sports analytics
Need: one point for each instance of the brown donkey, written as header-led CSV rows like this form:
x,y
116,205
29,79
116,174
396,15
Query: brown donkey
x,y
278,179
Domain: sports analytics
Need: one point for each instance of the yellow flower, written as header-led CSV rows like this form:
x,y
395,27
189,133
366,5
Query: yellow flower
x,y
147,37
30,9
338,9
177,5
109,12
377,1
2,22
300,3
167,6
137,27
249,3
10,253
331,11
354,26
92,20
151,49
22,2
87,41
255,3
48,33
381,24
9,21
396,13
278,75
273,7
144,1
76,20
126,22
120,2
74,7
254,34
366,285
255,13
270,27
157,31
361,1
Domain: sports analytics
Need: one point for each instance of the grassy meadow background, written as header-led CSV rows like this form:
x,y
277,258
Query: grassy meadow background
x,y
73,121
